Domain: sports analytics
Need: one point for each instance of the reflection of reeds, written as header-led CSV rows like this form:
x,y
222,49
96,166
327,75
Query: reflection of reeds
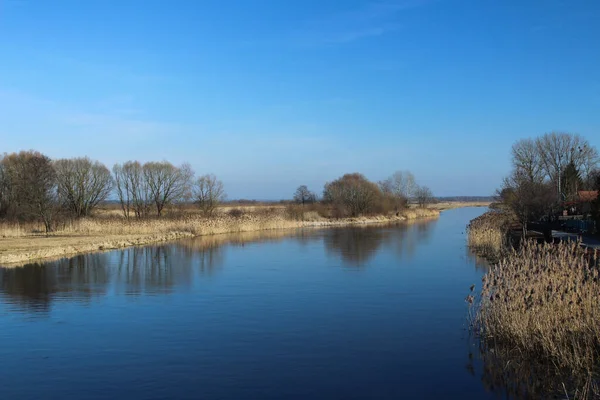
x,y
504,371
543,303
488,234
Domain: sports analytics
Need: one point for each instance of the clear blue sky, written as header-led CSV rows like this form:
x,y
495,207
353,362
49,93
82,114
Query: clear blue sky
x,y
271,94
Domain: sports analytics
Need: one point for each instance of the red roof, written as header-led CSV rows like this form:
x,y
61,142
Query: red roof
x,y
587,195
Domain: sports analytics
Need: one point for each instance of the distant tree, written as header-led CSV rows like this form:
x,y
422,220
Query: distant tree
x,y
351,195
82,184
424,196
32,182
167,183
304,196
132,189
401,184
209,192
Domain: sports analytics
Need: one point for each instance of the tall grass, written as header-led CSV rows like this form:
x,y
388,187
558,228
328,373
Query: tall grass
x,y
541,303
488,234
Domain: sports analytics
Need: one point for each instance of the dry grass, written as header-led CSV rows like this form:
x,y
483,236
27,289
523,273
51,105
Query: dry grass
x,y
488,234
25,242
543,303
449,205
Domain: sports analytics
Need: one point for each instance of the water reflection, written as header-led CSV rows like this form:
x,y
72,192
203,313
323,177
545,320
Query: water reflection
x,y
357,245
508,373
481,263
151,270
162,269
35,285
354,245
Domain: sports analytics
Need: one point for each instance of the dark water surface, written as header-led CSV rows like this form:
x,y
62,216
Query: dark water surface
x,y
349,313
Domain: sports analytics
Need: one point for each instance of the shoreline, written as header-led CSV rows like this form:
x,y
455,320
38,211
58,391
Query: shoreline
x,y
20,251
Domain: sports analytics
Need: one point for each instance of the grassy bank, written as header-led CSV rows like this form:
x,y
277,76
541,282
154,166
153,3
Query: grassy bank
x,y
23,243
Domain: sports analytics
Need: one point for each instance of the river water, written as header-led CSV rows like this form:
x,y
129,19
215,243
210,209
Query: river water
x,y
339,313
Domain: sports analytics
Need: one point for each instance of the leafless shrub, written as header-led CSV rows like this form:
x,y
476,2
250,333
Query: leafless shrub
x,y
236,213
351,195
424,196
295,212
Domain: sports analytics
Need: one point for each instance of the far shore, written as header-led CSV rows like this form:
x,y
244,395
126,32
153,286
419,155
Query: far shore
x,y
94,235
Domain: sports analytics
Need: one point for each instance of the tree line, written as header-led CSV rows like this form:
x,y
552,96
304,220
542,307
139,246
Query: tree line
x,y
34,187
547,172
353,194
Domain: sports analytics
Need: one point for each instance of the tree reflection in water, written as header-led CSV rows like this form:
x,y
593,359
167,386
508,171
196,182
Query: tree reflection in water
x,y
357,245
35,286
160,269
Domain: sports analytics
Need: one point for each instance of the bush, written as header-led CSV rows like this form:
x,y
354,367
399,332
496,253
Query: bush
x,y
351,195
236,213
294,212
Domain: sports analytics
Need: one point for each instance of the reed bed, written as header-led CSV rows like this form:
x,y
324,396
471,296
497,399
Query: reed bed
x,y
488,234
542,302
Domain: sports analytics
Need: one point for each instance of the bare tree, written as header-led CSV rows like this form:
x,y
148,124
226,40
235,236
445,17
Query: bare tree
x,y
209,192
82,184
167,183
401,184
123,189
32,183
351,195
557,150
304,196
132,189
424,196
527,161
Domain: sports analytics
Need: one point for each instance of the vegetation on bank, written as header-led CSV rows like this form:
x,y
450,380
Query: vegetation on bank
x,y
549,173
539,304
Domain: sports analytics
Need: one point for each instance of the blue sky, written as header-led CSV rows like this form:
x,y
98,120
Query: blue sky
x,y
271,94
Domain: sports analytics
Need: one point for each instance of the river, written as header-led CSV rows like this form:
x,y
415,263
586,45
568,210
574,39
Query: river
x,y
372,312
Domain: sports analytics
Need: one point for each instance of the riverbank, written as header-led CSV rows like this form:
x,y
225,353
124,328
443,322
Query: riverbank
x,y
101,234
